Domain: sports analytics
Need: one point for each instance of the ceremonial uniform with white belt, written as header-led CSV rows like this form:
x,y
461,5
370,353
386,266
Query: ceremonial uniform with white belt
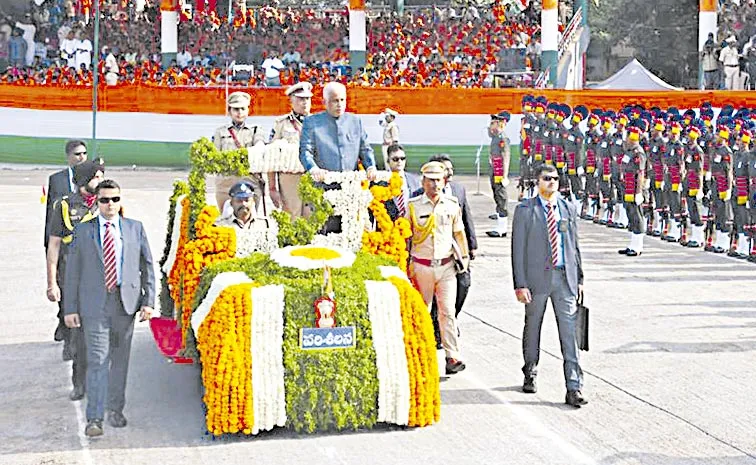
x,y
499,160
694,187
740,204
634,170
234,136
289,128
721,193
432,269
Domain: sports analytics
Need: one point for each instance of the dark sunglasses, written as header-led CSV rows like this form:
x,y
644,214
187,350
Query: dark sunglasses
x,y
80,153
550,178
104,200
398,158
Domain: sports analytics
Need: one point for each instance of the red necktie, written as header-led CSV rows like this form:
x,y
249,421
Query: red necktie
x,y
400,204
109,257
551,223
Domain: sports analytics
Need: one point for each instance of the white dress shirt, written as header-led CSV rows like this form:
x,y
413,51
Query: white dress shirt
x,y
557,218
118,242
71,183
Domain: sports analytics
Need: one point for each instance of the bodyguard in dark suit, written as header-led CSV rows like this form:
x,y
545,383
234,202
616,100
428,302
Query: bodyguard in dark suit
x,y
58,185
397,163
546,264
109,277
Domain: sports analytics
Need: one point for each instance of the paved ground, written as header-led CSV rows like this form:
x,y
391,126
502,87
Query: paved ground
x,y
670,376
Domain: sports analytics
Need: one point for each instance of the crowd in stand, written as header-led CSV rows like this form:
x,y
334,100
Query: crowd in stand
x,y
729,61
433,47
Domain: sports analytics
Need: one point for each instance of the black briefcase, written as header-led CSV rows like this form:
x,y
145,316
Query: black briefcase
x,y
582,324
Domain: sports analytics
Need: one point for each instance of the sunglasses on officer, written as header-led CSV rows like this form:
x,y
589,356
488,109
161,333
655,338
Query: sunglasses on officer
x,y
548,178
104,200
398,159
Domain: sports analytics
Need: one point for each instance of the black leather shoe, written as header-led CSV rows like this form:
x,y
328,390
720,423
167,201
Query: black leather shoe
x,y
495,234
116,419
454,366
529,385
623,251
718,250
633,253
656,233
77,393
733,254
575,399
752,259
493,216
94,428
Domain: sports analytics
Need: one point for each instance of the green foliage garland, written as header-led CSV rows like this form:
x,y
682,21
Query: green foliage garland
x,y
326,389
206,159
302,230
166,303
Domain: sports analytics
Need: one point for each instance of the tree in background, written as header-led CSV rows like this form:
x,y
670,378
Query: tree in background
x,y
664,36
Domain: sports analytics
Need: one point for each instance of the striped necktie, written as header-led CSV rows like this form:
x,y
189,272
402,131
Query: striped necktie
x,y
400,204
551,223
109,257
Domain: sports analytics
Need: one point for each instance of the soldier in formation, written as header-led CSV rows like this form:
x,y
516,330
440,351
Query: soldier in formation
x,y
685,178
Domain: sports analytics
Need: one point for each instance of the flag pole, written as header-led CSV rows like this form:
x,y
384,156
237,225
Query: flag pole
x,y
96,74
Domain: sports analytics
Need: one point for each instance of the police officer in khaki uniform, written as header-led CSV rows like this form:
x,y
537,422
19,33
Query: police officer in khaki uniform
x,y
68,211
283,186
235,135
437,247
243,205
390,133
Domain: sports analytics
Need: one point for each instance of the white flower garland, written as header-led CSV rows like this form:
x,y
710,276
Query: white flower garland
x,y
258,239
266,348
279,156
351,203
392,272
219,284
284,258
175,234
384,307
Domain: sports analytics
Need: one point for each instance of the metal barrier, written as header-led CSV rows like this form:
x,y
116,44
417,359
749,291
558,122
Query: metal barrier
x,y
569,32
542,80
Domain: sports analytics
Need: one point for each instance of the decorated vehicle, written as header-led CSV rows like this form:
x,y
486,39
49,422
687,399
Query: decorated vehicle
x,y
294,328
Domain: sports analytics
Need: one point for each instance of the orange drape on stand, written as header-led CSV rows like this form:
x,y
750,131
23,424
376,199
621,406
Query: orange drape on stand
x,y
145,98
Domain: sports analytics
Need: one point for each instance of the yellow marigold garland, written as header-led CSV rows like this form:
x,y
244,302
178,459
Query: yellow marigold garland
x,y
420,347
212,244
224,341
390,238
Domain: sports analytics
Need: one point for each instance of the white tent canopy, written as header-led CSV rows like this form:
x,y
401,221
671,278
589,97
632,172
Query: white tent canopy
x,y
634,76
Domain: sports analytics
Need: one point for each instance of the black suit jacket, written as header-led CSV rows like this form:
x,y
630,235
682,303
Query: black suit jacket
x,y
459,191
58,185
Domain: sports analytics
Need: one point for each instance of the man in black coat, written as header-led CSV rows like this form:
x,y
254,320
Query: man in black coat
x,y
61,184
